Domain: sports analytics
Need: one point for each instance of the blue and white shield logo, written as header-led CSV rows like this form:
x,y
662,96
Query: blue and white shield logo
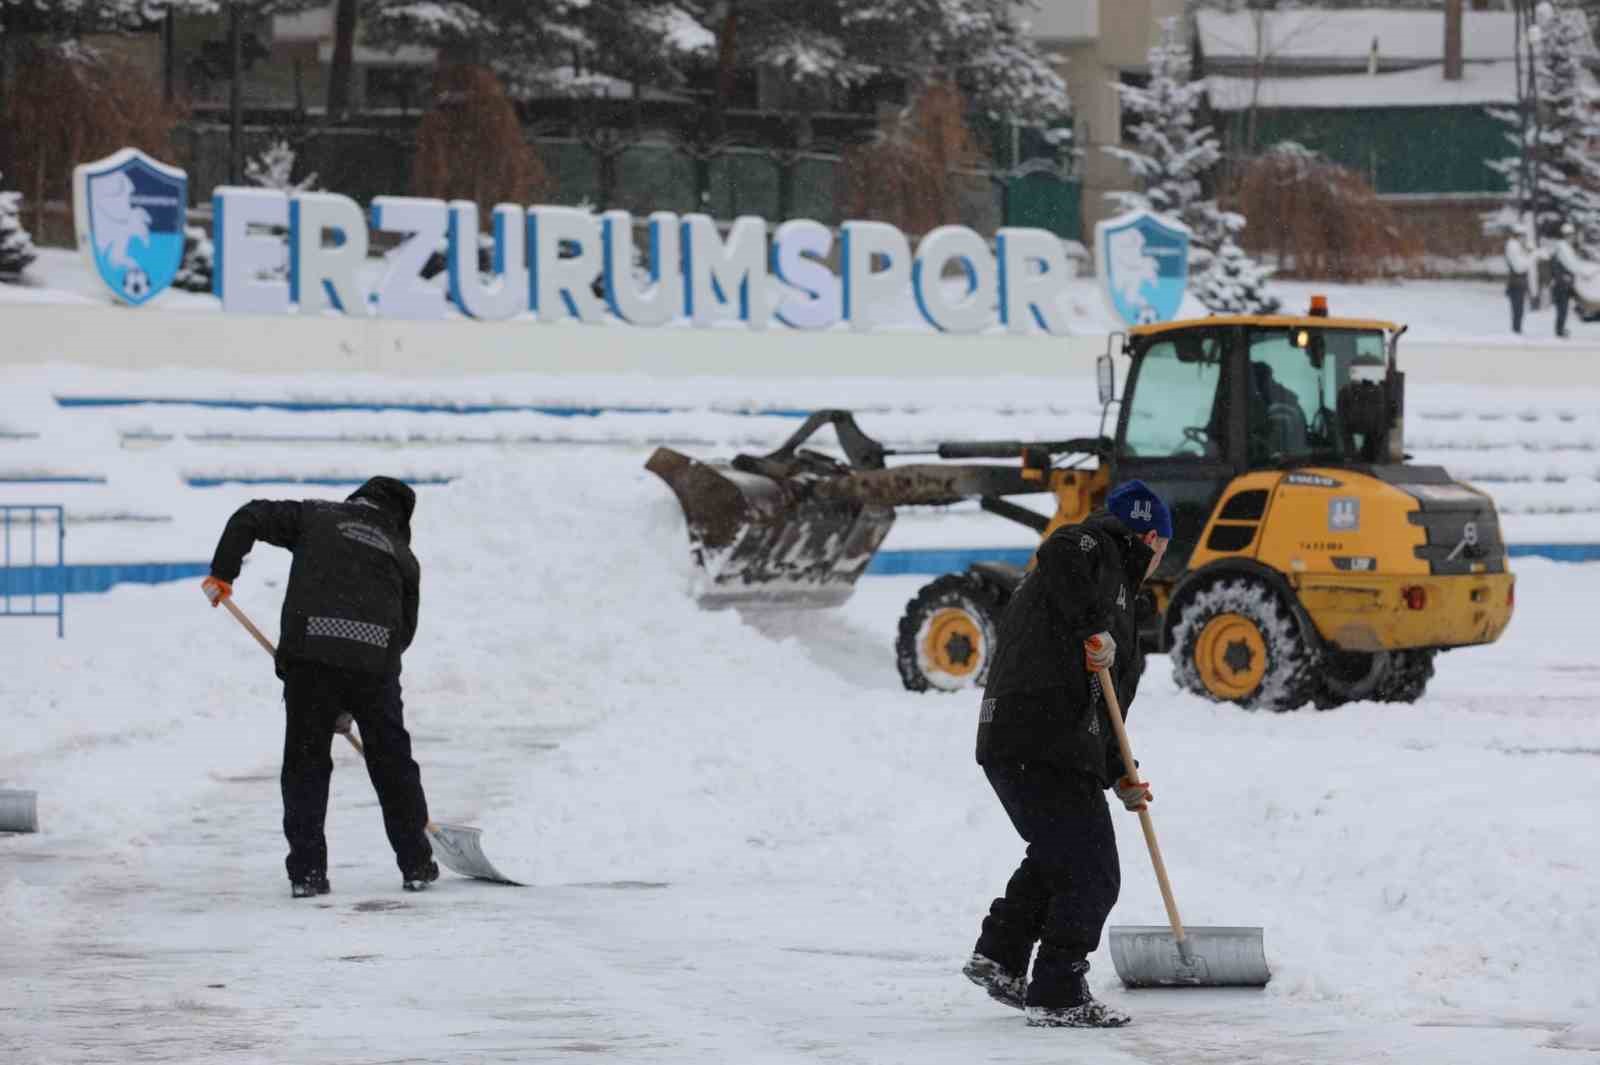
x,y
1143,261
129,211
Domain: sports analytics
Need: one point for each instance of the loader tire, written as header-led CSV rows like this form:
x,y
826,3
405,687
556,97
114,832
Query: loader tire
x,y
1352,677
1237,641
1408,676
947,634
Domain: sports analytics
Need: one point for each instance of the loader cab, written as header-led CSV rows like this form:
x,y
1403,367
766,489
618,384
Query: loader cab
x,y
1210,399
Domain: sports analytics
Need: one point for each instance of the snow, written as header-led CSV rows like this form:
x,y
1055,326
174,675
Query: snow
x,y
1480,83
745,842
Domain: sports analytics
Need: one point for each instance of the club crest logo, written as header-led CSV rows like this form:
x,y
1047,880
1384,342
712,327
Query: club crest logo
x,y
129,213
1143,263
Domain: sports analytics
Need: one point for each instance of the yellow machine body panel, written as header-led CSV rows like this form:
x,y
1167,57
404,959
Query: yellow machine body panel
x,y
1077,492
1348,544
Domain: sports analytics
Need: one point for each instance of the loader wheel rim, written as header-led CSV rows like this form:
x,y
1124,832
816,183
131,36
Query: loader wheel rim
x,y
954,643
1231,656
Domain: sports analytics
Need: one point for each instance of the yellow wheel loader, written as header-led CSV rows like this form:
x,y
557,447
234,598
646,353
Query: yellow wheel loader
x,y
1310,562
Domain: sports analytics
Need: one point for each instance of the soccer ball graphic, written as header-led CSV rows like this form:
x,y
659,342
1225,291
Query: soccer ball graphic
x,y
135,284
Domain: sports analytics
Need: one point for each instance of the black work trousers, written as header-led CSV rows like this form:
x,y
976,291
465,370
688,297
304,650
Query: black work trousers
x,y
1062,893
314,696
1517,294
1563,299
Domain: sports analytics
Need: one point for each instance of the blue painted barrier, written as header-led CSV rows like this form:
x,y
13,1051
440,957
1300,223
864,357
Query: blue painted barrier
x,y
99,577
931,562
21,584
312,406
49,478
1556,552
928,562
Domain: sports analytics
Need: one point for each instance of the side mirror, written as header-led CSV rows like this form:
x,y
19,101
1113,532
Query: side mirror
x,y
1106,369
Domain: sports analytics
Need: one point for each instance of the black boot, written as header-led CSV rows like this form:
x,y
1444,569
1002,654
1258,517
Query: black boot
x,y
309,887
1074,1006
419,879
1004,986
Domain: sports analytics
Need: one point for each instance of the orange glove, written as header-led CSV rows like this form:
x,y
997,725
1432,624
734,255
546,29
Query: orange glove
x,y
216,590
1135,794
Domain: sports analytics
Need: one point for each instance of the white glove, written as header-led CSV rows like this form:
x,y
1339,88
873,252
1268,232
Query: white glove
x,y
1135,794
1099,651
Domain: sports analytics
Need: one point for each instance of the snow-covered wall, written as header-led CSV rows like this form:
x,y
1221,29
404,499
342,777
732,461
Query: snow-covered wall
x,y
132,340
115,338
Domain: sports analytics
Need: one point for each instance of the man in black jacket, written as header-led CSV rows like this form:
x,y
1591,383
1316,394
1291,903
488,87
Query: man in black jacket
x,y
349,614
1047,746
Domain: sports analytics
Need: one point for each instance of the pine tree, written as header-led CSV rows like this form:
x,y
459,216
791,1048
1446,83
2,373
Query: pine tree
x,y
1234,283
274,169
1566,187
1171,159
199,260
16,246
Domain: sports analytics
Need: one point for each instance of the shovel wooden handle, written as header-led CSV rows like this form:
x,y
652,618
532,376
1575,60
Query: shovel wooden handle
x,y
266,645
249,626
1114,709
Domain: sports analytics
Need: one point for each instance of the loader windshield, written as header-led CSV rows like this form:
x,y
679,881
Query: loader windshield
x,y
1303,384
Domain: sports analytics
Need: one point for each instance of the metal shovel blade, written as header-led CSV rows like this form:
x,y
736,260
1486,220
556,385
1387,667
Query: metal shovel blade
x,y
1149,956
458,849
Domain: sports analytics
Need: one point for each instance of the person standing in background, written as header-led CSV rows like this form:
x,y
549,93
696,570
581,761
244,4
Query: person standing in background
x,y
1518,262
1565,268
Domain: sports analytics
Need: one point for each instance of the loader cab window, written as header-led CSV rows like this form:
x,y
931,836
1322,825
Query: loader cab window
x,y
1297,379
1174,411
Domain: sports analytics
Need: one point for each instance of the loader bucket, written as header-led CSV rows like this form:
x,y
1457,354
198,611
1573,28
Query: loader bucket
x,y
759,539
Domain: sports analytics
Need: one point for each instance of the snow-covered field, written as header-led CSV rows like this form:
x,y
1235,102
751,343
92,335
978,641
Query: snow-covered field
x,y
744,842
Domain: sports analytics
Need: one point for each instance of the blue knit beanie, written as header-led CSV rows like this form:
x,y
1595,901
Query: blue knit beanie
x,y
1140,509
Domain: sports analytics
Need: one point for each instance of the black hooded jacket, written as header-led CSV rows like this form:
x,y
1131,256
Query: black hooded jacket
x,y
354,584
1039,704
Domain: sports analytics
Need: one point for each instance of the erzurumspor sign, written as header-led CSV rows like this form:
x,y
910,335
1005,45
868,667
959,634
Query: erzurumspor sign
x,y
563,262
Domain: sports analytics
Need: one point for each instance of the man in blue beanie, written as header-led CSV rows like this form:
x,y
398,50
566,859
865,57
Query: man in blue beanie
x,y
1047,746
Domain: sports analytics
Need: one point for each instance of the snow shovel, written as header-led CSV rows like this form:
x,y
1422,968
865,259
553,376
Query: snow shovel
x,y
458,847
1153,956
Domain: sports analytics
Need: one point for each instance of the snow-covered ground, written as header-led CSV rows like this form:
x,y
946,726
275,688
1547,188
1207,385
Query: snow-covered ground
x,y
744,842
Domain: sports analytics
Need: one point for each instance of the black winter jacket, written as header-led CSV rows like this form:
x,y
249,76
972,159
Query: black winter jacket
x,y
354,585
1039,704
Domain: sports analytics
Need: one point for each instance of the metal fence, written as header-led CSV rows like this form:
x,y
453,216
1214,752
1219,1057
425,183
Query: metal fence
x,y
24,581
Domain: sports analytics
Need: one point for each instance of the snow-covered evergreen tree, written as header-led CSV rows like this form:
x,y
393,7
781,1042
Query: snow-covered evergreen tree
x,y
1566,187
1170,158
71,17
274,169
16,246
199,257
1234,283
